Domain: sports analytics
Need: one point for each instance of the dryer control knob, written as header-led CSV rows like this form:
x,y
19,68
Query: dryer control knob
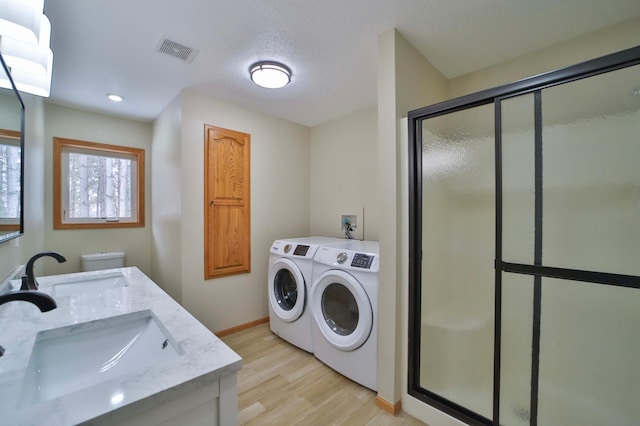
x,y
342,257
287,248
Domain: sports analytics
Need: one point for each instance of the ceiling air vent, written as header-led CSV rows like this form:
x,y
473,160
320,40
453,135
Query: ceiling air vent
x,y
177,50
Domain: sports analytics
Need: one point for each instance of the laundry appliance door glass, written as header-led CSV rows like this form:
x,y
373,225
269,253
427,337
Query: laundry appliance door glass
x,y
287,290
342,310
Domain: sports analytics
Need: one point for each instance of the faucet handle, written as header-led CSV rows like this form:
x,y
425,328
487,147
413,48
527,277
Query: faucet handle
x,y
25,284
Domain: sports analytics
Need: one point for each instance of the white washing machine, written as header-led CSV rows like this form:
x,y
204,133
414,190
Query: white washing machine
x,y
290,275
344,306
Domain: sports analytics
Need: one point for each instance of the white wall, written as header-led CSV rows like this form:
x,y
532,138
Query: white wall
x,y
71,123
593,45
344,173
406,80
279,206
166,209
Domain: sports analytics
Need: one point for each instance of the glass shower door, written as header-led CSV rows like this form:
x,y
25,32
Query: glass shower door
x,y
589,333
570,232
524,232
458,236
518,219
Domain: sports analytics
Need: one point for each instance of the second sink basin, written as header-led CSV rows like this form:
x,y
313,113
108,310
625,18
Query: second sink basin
x,y
92,283
74,357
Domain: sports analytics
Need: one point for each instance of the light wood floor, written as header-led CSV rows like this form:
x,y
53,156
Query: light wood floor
x,y
280,384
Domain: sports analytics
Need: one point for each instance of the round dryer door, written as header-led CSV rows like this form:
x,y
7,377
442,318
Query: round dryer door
x,y
286,290
341,310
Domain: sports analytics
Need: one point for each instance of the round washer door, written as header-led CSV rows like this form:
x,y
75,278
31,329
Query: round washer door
x,y
341,309
286,290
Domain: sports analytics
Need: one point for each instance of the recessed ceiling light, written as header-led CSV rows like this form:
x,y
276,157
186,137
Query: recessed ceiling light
x,y
115,98
271,75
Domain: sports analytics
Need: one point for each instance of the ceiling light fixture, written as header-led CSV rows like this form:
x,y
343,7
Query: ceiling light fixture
x,y
21,20
28,82
115,98
34,58
271,75
25,35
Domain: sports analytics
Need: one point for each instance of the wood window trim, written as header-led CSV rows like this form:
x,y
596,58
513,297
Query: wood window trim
x,y
58,145
10,134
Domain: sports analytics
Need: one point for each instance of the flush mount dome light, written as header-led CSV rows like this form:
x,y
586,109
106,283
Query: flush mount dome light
x,y
271,75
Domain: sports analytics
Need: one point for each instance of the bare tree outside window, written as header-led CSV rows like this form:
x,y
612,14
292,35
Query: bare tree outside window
x,y
9,181
99,186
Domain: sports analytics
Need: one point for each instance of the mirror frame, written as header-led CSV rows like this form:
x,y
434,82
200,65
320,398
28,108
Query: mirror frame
x,y
11,235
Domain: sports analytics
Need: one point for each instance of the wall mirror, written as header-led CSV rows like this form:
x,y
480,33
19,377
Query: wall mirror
x,y
11,157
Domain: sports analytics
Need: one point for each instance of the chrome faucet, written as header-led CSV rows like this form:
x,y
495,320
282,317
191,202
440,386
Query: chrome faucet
x,y
43,301
29,281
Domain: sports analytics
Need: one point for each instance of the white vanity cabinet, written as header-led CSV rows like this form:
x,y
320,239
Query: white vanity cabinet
x,y
213,404
198,387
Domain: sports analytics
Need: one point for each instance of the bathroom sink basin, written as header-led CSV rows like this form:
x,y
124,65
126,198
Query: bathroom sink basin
x,y
82,283
75,357
92,283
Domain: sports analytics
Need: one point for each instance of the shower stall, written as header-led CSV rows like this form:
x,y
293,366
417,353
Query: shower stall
x,y
524,242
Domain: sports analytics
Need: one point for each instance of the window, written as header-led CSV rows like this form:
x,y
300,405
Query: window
x,y
10,167
97,185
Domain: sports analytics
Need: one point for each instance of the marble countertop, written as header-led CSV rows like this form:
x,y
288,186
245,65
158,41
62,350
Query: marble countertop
x,y
205,359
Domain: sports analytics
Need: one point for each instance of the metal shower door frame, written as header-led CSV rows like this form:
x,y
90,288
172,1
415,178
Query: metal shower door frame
x,y
532,85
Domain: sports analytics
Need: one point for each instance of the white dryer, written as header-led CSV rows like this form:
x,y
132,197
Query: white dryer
x,y
290,275
344,306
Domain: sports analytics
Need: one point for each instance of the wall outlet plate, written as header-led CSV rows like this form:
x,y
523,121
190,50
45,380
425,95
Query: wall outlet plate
x,y
355,218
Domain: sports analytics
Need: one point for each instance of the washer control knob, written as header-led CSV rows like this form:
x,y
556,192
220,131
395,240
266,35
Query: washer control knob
x,y
287,248
342,257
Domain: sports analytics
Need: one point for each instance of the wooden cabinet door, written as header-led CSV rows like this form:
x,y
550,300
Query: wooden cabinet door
x,y
227,209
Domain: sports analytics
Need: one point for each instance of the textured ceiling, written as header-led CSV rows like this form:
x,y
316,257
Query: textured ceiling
x,y
104,46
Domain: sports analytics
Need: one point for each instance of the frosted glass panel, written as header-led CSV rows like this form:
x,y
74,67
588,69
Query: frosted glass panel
x,y
458,251
569,203
518,179
516,335
591,174
589,352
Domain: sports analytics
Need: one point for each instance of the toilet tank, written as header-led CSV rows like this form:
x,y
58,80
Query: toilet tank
x,y
105,260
